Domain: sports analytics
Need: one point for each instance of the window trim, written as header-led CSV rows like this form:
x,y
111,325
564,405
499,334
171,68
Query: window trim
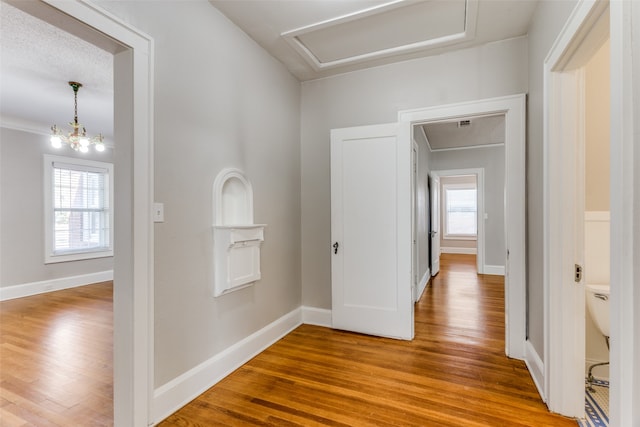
x,y
50,257
445,218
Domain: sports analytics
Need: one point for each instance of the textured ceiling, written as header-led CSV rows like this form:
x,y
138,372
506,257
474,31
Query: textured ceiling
x,y
37,62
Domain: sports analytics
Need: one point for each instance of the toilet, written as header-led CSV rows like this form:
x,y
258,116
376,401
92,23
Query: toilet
x,y
598,306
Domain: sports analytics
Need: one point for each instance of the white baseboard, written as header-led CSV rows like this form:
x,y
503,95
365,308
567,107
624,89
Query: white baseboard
x,y
35,288
316,316
422,285
449,250
536,368
496,270
173,395
599,372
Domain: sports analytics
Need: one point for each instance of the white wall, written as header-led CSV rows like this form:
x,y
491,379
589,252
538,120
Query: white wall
x,y
22,211
375,96
220,101
549,18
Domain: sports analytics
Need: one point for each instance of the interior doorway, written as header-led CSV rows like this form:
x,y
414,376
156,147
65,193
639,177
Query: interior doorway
x,y
513,109
133,240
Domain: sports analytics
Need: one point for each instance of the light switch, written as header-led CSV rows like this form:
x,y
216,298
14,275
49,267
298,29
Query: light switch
x,y
486,215
158,212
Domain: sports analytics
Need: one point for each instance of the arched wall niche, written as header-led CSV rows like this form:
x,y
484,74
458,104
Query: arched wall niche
x,y
236,238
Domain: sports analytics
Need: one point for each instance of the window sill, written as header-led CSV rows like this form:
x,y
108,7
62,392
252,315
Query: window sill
x,y
78,256
453,237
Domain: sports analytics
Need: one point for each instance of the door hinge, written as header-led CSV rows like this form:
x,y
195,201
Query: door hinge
x,y
578,273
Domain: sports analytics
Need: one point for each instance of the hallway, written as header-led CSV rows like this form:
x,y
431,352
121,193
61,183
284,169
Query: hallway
x,y
454,373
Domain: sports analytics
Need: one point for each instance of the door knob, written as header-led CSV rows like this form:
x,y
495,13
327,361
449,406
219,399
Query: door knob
x,y
335,247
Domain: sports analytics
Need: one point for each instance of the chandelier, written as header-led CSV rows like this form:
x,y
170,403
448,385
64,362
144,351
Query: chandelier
x,y
77,138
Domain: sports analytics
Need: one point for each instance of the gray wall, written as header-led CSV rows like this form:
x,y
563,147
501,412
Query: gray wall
x,y
375,96
22,211
549,18
423,203
492,160
220,101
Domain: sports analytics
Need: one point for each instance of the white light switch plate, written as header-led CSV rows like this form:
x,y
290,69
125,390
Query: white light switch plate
x,y
158,212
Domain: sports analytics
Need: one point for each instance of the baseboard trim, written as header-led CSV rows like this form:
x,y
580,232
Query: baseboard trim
x,y
466,251
35,288
422,285
173,395
316,316
536,368
495,270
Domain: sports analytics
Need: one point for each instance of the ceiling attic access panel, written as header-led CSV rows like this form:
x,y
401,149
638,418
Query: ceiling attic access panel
x,y
236,239
385,30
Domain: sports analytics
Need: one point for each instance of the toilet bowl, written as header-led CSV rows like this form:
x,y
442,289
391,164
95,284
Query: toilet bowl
x,y
598,306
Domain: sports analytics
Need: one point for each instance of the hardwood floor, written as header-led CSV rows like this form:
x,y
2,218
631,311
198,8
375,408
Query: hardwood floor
x,y
453,374
56,358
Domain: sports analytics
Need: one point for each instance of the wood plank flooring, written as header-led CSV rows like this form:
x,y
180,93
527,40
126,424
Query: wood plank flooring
x,y
453,374
56,358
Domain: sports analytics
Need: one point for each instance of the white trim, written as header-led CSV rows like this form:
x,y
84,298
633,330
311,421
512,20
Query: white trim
x,y
495,270
563,199
451,250
44,286
173,395
597,216
424,281
316,316
625,211
480,236
515,136
536,367
133,241
52,162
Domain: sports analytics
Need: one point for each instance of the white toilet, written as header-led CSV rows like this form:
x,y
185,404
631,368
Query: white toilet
x,y
598,305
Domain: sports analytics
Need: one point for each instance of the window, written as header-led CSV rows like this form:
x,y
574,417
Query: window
x,y
78,209
460,211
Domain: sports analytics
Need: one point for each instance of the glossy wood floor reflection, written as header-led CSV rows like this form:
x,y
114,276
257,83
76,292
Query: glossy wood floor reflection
x,y
56,358
453,374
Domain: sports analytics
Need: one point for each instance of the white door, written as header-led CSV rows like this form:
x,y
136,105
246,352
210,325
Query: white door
x,y
371,230
435,224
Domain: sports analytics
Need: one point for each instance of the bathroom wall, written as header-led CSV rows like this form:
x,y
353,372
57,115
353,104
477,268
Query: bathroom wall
x,y
597,173
454,245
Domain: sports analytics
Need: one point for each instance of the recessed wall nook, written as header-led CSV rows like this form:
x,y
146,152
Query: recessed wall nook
x,y
236,239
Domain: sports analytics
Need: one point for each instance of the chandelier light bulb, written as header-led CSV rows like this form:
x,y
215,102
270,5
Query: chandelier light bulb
x,y
100,146
84,142
83,149
56,142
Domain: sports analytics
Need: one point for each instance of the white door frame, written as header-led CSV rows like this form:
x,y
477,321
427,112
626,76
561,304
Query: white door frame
x,y
514,108
480,241
563,240
133,260
572,46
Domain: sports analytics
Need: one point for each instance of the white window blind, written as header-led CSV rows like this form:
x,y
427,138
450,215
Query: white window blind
x,y
79,211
